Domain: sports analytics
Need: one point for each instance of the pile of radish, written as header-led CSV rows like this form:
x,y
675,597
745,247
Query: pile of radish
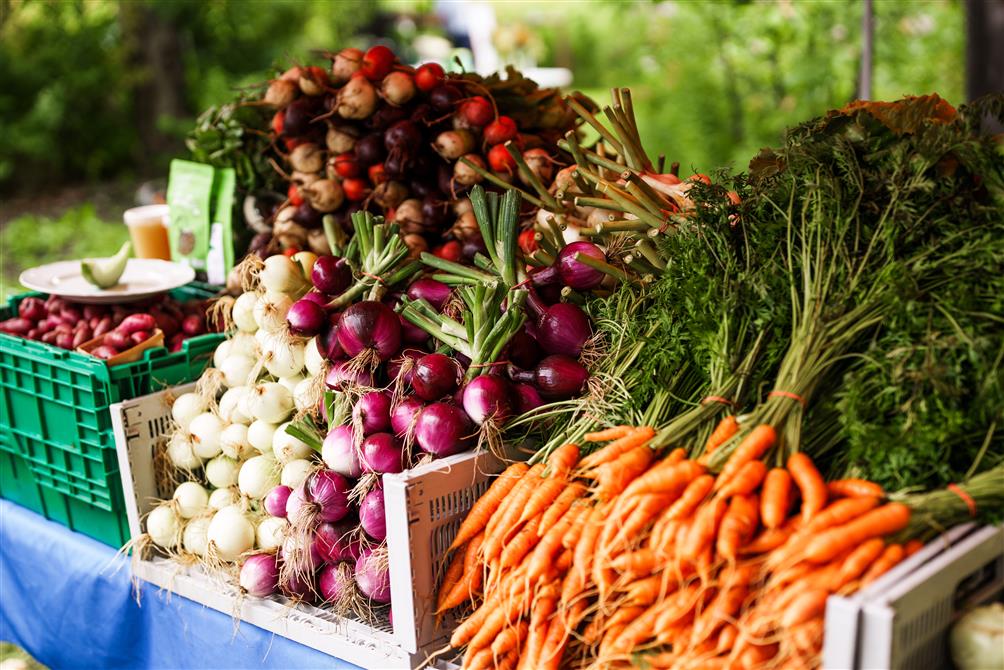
x,y
67,325
370,132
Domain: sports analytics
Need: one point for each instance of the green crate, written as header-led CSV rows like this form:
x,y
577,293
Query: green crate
x,y
55,428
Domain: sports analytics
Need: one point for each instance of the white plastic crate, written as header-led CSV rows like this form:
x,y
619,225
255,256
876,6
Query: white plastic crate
x,y
424,508
901,621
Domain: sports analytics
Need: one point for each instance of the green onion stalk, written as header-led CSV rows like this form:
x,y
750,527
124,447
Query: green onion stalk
x,y
378,257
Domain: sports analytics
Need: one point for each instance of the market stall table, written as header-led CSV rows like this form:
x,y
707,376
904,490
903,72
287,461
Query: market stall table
x,y
69,602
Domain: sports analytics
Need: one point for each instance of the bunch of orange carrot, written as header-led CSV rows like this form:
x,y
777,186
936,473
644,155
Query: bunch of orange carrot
x,y
624,557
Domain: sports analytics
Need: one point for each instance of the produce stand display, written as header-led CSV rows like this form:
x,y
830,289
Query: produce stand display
x,y
491,395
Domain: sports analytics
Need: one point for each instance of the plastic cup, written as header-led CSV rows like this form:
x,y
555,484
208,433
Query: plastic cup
x,y
148,230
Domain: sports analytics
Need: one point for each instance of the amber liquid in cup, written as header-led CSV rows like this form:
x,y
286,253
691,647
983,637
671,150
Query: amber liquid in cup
x,y
148,230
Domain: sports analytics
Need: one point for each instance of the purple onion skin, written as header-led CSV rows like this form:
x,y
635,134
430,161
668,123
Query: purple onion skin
x,y
442,429
410,333
524,350
333,541
306,318
330,490
403,415
562,329
434,376
334,582
373,410
488,398
331,275
305,561
396,366
575,274
260,575
371,515
340,377
275,501
372,579
338,452
300,587
319,298
381,452
295,503
527,398
435,292
558,377
328,343
370,325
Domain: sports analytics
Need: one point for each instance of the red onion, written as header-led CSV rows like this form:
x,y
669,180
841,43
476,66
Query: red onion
x,y
442,429
411,333
319,298
305,558
342,375
381,452
576,274
372,518
403,415
527,398
397,366
555,377
435,292
260,575
327,490
434,376
370,326
338,451
372,575
295,502
335,582
373,411
300,586
331,275
328,343
488,398
524,350
306,317
335,543
561,328
275,501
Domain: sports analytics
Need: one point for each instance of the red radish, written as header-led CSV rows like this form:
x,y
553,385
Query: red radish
x,y
346,165
355,190
278,122
527,241
345,64
377,174
398,88
428,76
501,130
377,62
501,160
313,80
450,251
293,194
477,111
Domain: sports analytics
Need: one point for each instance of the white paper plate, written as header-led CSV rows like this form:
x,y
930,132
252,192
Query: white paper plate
x,y
143,277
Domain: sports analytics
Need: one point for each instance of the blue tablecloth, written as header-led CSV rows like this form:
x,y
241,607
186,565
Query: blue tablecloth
x,y
70,604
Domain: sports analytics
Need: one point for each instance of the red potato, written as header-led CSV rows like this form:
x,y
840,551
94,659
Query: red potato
x,y
32,309
103,326
34,334
50,337
82,335
64,328
64,340
135,322
116,339
194,324
165,322
94,311
104,352
16,326
139,337
70,315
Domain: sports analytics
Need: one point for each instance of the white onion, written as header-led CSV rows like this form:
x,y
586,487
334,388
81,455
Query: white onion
x,y
291,382
243,313
977,639
270,311
236,369
192,499
282,275
163,525
186,407
221,498
303,396
181,452
222,471
243,344
260,435
294,472
312,357
284,359
287,447
193,538
271,532
270,402
234,442
205,430
231,533
221,352
258,476
232,405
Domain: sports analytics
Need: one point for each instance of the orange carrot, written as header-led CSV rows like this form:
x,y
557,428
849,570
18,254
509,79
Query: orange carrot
x,y
509,639
470,582
776,497
614,477
540,613
724,606
598,626
840,512
858,561
753,446
809,605
477,519
623,532
518,547
578,523
562,460
666,477
450,579
705,528
641,628
504,518
547,491
620,446
854,488
810,484
738,525
554,644
638,563
746,480
725,429
757,656
892,555
912,547
548,547
552,514
806,636
691,497
643,591
673,611
768,540
614,433
890,518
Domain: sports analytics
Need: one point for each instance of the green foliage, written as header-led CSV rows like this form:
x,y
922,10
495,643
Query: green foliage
x,y
30,240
